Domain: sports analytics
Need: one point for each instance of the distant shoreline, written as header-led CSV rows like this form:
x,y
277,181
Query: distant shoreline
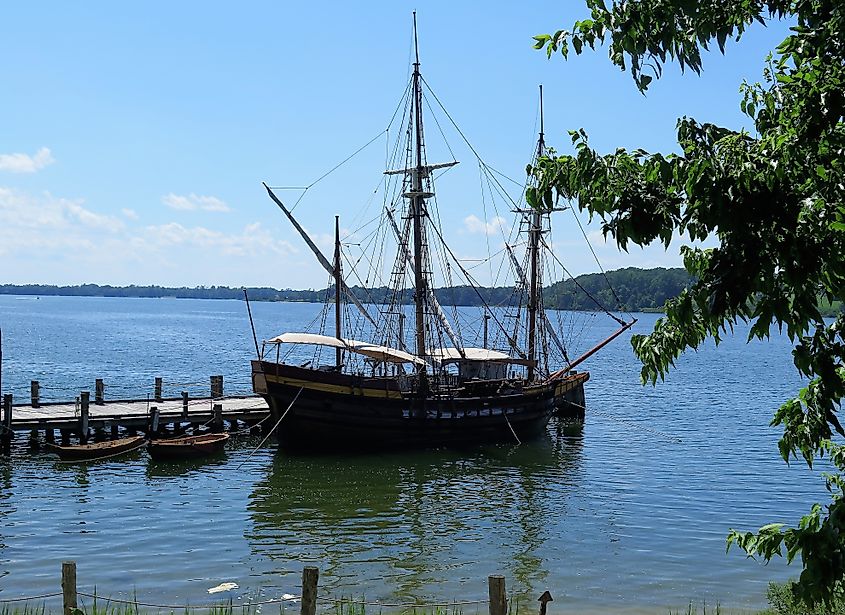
x,y
623,290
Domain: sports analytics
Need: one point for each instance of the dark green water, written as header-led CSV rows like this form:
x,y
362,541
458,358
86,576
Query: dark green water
x,y
629,515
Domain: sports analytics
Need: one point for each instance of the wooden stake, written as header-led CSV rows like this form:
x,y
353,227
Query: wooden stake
x,y
310,575
99,392
154,418
157,392
34,392
184,404
6,432
217,420
545,598
498,597
69,587
84,402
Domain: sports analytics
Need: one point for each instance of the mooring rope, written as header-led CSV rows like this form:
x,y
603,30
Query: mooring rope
x,y
260,444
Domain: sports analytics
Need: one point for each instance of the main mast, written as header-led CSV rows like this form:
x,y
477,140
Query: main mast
x,y
534,231
417,211
338,278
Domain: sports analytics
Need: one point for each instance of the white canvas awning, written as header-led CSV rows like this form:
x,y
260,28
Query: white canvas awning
x,y
450,355
374,351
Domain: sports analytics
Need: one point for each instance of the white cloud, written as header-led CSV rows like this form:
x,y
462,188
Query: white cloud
x,y
476,225
22,212
130,213
193,202
251,241
24,163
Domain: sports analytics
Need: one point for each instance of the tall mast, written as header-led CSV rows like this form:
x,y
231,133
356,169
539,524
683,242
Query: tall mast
x,y
533,247
337,279
417,205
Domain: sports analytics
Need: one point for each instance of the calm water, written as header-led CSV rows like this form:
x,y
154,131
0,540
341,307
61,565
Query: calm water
x,y
629,516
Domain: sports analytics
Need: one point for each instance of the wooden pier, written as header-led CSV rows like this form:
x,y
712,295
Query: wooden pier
x,y
84,418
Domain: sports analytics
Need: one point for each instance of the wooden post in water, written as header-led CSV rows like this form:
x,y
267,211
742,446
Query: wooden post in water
x,y
157,392
6,432
216,387
498,597
217,418
84,403
310,575
154,419
50,435
184,405
68,587
34,393
99,392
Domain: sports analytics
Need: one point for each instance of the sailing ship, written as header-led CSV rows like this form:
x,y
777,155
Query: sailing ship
x,y
383,392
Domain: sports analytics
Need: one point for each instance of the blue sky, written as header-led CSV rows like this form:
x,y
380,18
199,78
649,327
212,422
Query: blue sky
x,y
135,138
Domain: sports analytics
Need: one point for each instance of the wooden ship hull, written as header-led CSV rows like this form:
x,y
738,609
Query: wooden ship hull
x,y
188,447
97,450
324,409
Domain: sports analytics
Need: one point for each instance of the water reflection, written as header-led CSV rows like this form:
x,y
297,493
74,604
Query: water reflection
x,y
419,525
184,467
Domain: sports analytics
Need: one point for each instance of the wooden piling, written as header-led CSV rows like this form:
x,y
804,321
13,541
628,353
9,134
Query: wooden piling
x,y
6,435
498,597
310,575
84,403
184,404
35,393
217,418
69,587
99,392
158,387
216,387
50,435
154,419
114,431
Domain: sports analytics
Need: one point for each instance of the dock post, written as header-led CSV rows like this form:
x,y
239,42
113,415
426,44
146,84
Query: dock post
x,y
310,575
6,435
184,405
154,418
99,392
498,597
114,431
84,403
216,387
157,393
34,393
69,587
217,418
50,435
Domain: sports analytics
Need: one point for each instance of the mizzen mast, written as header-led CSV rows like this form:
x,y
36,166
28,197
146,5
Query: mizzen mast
x,y
417,204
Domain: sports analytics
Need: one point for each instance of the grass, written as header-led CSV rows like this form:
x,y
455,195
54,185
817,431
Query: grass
x,y
779,595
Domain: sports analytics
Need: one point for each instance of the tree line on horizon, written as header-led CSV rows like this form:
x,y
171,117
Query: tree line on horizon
x,y
628,289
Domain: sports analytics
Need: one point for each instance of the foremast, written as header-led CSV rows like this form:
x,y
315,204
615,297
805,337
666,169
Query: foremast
x,y
418,197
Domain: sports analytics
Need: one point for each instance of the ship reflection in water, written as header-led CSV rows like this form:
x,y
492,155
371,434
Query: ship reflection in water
x,y
417,526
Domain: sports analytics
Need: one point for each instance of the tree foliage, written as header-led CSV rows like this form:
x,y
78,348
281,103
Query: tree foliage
x,y
772,197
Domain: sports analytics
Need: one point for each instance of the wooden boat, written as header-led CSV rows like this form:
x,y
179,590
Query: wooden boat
x,y
188,447
434,389
97,450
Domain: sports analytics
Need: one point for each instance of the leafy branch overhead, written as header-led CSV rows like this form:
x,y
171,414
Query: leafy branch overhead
x,y
774,200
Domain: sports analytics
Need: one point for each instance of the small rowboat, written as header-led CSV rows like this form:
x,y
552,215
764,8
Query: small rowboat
x,y
97,450
188,447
